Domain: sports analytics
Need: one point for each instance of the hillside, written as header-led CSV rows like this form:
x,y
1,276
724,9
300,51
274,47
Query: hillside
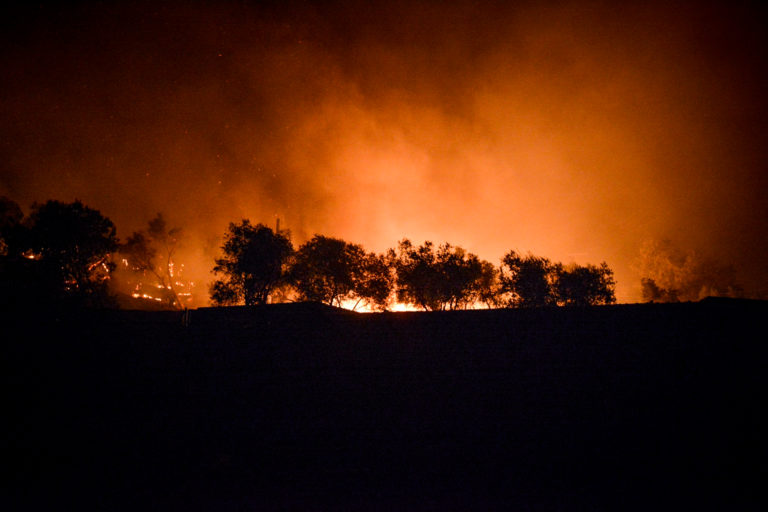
x,y
306,407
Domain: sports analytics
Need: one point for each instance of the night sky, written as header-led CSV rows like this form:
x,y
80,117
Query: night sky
x,y
575,130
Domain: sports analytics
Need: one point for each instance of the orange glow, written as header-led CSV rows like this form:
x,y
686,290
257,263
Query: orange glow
x,y
355,305
399,306
575,131
144,286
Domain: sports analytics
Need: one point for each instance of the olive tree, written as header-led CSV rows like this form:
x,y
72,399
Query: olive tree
x,y
254,264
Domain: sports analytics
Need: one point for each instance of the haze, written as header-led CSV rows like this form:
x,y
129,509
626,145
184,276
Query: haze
x,y
574,130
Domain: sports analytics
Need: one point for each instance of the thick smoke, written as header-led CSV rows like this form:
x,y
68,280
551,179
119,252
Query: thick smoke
x,y
670,274
574,130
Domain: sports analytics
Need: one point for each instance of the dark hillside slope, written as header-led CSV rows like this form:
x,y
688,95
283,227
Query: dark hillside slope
x,y
312,408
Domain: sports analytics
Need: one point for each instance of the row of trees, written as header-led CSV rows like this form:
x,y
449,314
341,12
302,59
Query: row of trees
x,y
69,252
260,265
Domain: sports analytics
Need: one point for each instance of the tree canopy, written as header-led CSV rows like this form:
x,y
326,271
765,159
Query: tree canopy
x,y
438,279
328,270
254,264
584,285
374,282
535,281
527,281
73,244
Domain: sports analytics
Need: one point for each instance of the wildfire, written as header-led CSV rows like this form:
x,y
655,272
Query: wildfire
x,y
399,306
361,307
145,287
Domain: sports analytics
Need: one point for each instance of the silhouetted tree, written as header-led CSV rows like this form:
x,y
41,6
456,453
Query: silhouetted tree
x,y
462,274
488,286
374,282
151,252
527,281
224,293
417,274
254,265
587,285
72,244
448,278
328,270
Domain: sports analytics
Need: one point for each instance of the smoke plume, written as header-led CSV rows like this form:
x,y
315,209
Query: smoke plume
x,y
574,130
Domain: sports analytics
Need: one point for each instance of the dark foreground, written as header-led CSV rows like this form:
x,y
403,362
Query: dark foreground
x,y
300,407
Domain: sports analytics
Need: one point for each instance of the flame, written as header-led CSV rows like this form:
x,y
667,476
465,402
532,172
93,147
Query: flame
x,y
362,307
399,306
145,286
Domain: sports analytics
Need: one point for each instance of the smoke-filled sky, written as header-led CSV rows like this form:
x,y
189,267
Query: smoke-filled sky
x,y
574,130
